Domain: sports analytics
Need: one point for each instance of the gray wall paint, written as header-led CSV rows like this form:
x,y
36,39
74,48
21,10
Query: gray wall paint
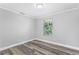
x,y
15,28
66,28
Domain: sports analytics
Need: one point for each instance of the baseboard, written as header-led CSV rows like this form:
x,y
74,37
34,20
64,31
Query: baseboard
x,y
66,46
59,44
13,45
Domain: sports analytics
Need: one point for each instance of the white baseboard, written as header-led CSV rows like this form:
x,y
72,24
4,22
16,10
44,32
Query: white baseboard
x,y
55,43
13,45
59,44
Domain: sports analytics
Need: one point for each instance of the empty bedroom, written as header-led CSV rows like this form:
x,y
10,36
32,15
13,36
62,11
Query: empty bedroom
x,y
39,28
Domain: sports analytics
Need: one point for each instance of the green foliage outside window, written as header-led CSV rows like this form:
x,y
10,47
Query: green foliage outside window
x,y
47,27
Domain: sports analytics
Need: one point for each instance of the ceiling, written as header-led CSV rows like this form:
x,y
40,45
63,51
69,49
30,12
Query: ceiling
x,y
28,9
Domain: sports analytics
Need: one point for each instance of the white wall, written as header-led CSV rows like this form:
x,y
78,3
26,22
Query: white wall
x,y
66,28
15,28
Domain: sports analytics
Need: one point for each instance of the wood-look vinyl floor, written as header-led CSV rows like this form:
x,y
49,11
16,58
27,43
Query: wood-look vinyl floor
x,y
34,47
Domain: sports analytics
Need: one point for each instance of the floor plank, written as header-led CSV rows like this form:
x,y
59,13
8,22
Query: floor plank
x,y
34,47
